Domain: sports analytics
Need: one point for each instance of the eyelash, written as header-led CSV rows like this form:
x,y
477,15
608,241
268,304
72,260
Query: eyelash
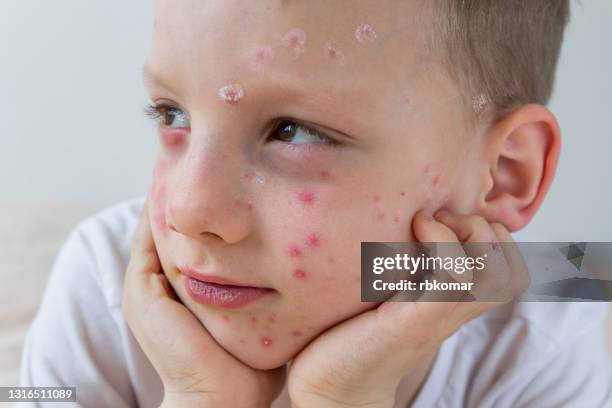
x,y
158,111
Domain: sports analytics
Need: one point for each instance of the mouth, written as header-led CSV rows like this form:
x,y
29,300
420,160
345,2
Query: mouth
x,y
219,291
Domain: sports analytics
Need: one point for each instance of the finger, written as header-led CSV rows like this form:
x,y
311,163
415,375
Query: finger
x,y
481,242
519,273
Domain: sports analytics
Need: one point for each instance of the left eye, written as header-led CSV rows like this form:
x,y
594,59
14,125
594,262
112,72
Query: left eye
x,y
291,132
168,116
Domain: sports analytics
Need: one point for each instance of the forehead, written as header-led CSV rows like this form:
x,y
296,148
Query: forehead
x,y
218,37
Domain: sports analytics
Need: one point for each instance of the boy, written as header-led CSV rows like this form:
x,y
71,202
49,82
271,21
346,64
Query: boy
x,y
247,254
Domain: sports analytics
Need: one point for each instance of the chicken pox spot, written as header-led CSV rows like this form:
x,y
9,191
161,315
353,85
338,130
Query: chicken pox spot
x,y
296,333
262,54
333,53
380,216
313,240
253,319
427,169
480,103
376,198
266,341
407,100
365,34
436,180
396,219
299,274
294,251
231,93
226,318
295,40
325,174
306,197
331,260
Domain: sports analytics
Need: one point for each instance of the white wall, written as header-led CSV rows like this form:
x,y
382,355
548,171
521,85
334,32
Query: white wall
x,y
71,127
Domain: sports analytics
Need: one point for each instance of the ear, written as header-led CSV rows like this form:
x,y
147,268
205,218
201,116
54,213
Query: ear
x,y
521,152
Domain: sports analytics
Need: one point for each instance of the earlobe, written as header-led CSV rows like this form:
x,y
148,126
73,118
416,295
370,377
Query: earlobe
x,y
522,152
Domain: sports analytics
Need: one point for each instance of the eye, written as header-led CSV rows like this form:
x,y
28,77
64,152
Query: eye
x,y
289,131
168,116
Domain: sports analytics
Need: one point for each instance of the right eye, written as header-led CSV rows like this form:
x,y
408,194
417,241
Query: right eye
x,y
168,116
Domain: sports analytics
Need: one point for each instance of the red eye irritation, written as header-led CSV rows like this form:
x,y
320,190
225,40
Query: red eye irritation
x,y
306,197
294,250
299,274
266,341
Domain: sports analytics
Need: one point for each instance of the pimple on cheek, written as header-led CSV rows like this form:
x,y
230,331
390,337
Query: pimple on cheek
x,y
266,341
294,250
226,318
306,197
296,333
231,93
313,240
365,34
299,273
325,174
295,41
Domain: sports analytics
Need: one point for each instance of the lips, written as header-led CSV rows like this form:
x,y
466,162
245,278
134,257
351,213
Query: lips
x,y
220,291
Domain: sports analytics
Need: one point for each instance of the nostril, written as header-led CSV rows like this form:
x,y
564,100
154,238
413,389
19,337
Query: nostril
x,y
172,228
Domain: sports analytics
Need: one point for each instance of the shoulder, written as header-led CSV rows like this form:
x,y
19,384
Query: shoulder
x,y
101,243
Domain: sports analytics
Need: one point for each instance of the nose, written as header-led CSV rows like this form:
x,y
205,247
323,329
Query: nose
x,y
205,194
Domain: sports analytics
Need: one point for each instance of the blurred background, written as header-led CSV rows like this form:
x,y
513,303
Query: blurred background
x,y
73,138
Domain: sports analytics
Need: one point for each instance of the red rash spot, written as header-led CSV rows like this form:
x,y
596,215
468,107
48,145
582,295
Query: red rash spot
x,y
241,341
325,174
248,175
306,197
266,341
380,215
296,333
294,250
299,274
313,240
427,169
253,319
272,319
331,260
396,219
226,318
376,198
436,180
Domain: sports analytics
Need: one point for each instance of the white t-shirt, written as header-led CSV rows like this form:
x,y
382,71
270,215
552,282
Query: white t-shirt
x,y
519,355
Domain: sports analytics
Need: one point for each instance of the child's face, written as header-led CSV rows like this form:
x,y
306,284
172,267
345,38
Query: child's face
x,y
268,204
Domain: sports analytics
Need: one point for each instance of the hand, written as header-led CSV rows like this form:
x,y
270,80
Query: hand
x,y
194,369
361,361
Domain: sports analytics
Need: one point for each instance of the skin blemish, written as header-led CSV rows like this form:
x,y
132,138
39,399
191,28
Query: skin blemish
x,y
262,55
331,260
376,198
427,169
253,320
295,40
226,318
299,274
241,341
266,341
306,197
436,180
407,100
296,333
333,53
403,193
325,174
380,216
294,251
313,240
480,103
243,204
396,219
231,93
272,318
365,34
